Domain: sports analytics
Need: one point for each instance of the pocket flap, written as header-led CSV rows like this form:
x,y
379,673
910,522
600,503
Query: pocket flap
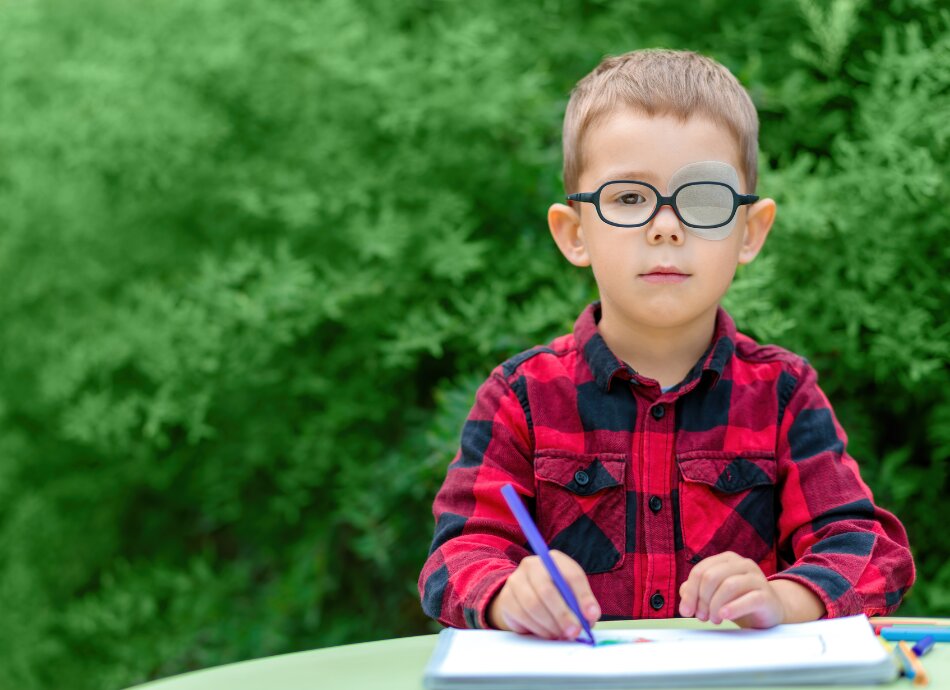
x,y
729,475
581,473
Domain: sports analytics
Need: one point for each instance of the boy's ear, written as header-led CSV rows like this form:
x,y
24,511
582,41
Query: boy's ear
x,y
565,225
759,219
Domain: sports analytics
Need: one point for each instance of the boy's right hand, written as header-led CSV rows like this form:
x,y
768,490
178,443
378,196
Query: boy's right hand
x,y
530,603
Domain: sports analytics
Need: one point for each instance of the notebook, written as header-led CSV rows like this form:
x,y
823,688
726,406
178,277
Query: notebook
x,y
835,651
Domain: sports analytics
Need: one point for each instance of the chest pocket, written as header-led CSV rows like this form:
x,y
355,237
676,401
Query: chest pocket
x,y
581,506
727,503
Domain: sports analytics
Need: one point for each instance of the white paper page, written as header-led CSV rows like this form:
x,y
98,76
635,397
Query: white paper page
x,y
829,643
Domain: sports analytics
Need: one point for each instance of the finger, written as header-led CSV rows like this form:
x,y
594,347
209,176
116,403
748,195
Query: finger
x,y
538,617
709,583
559,615
525,612
689,590
688,596
732,587
753,609
532,613
577,580
504,612
513,620
726,565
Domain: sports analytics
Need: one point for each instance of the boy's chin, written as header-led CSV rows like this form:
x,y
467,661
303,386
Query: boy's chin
x,y
667,315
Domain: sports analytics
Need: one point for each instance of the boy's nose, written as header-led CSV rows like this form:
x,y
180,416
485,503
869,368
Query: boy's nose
x,y
665,227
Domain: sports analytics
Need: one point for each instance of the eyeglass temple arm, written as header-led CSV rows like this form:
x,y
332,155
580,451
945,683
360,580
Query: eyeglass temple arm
x,y
747,198
582,196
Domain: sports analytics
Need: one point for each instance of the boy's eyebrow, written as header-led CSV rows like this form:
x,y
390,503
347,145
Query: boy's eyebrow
x,y
627,175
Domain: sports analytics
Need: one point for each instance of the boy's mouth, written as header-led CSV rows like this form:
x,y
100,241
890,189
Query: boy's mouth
x,y
664,274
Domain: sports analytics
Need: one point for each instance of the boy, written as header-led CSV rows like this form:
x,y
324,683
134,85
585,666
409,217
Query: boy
x,y
676,466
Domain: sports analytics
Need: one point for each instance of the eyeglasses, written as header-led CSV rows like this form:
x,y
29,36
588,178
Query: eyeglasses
x,y
699,205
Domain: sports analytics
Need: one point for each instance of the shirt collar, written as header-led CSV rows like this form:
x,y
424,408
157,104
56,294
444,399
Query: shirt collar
x,y
605,365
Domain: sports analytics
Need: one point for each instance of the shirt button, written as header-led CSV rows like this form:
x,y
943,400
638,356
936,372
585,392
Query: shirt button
x,y
658,412
657,601
656,503
582,478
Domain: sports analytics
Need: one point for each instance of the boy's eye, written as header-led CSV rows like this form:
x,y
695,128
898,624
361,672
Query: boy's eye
x,y
631,199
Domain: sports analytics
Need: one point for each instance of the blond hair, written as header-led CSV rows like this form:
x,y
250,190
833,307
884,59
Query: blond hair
x,y
661,82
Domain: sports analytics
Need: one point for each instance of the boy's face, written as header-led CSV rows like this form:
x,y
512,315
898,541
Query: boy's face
x,y
658,275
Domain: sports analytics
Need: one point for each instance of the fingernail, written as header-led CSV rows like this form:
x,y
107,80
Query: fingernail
x,y
572,631
593,611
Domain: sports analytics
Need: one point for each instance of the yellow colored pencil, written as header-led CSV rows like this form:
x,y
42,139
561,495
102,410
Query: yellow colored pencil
x,y
889,648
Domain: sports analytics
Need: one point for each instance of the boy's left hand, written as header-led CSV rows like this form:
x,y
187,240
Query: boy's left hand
x,y
729,587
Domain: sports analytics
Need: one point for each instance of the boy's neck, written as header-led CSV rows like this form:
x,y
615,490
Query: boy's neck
x,y
665,354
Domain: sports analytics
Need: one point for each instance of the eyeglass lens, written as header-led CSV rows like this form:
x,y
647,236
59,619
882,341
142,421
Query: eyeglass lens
x,y
699,204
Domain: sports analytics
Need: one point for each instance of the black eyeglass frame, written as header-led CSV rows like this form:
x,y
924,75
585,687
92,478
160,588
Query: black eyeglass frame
x,y
661,201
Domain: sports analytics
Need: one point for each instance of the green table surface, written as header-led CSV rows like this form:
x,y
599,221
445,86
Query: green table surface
x,y
399,664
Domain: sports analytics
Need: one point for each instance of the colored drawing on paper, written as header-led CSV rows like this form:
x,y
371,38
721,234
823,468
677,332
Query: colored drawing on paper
x,y
609,641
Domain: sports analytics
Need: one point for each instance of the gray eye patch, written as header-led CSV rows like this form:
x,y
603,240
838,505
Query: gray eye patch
x,y
705,171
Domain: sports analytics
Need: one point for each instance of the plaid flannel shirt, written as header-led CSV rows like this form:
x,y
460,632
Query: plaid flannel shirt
x,y
638,485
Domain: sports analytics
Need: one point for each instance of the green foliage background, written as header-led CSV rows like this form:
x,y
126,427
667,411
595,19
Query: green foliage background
x,y
257,255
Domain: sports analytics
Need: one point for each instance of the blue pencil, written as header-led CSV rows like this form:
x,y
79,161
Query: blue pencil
x,y
912,633
541,550
924,645
908,666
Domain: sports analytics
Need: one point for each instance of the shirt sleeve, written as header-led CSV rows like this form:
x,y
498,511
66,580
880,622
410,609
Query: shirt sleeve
x,y
477,542
833,539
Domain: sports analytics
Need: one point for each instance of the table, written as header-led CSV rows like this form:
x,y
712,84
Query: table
x,y
398,665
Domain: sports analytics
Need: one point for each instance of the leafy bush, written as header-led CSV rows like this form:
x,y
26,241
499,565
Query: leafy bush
x,y
257,257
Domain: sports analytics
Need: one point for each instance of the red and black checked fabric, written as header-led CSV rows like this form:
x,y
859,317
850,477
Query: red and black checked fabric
x,y
638,485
